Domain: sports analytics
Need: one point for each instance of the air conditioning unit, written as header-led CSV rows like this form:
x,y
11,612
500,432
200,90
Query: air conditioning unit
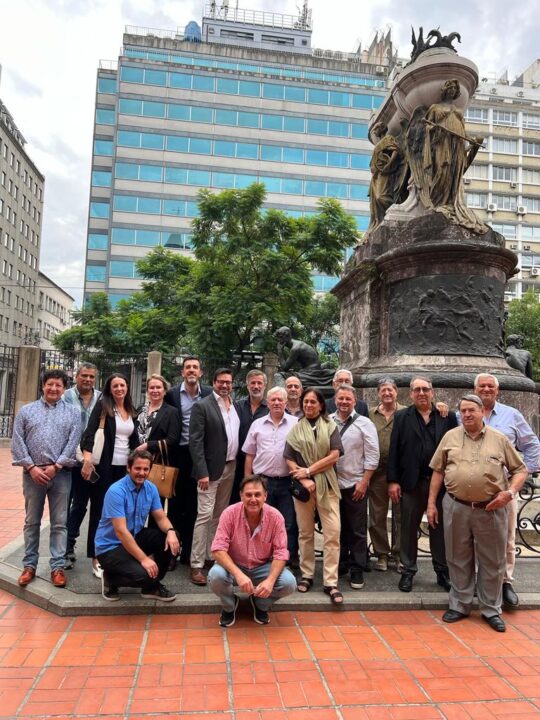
x,y
526,247
513,184
535,272
492,207
466,181
521,210
513,246
380,70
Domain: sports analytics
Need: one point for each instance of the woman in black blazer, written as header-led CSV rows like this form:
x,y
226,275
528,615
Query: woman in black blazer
x,y
120,438
156,420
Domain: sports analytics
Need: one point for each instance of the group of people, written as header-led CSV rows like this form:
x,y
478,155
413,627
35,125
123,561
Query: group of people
x,y
257,475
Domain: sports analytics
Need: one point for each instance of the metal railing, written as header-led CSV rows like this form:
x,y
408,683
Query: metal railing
x,y
9,357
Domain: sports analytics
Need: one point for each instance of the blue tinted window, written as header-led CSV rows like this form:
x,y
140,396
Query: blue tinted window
x,y
177,143
125,203
297,94
175,175
149,238
152,173
101,178
315,157
242,181
338,159
246,150
272,122
222,147
97,242
197,145
155,77
123,236
174,207
338,129
359,130
315,188
270,152
377,101
317,127
153,109
360,162
180,80
223,180
95,273
130,107
318,97
173,240
128,139
291,186
126,171
178,112
293,124
362,101
122,268
362,222
293,155
201,114
247,119
131,74
226,117
199,177
252,89
149,205
203,82
273,92
191,209
99,210
225,85
105,117
359,192
272,184
115,298
341,99
106,85
152,141
336,190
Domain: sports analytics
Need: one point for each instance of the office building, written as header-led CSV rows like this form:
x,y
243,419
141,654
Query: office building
x,y
54,311
244,98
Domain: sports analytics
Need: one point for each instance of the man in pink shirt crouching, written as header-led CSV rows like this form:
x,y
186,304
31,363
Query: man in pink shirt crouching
x,y
250,551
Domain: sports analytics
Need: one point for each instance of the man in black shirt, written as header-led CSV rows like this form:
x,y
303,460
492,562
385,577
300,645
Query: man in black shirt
x,y
415,436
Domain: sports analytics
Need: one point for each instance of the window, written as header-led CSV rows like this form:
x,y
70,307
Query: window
x,y
97,242
125,203
201,114
105,117
273,92
530,232
314,188
339,99
293,155
272,122
504,145
338,159
106,85
503,117
127,171
317,97
531,148
508,174
360,161
155,77
531,121
101,178
505,202
128,139
131,74
203,82
123,236
293,124
153,109
250,89
198,145
177,144
152,141
99,210
246,150
359,192
476,200
151,173
532,204
130,107
359,130
294,93
531,177
178,112
271,152
199,177
149,205
180,80
224,148
247,119
122,268
95,273
478,172
479,115
226,117
338,129
103,147
177,176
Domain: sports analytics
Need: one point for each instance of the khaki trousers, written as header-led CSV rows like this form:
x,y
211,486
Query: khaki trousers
x,y
331,525
511,541
378,515
210,504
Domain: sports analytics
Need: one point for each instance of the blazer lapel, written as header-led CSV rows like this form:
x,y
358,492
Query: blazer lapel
x,y
414,421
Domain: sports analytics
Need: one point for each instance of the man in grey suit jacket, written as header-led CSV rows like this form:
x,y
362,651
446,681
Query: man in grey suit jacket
x,y
213,444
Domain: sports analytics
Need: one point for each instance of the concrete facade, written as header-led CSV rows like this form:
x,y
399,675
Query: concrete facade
x,y
54,310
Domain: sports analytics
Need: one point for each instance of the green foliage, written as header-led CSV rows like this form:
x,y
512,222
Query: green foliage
x,y
524,319
320,327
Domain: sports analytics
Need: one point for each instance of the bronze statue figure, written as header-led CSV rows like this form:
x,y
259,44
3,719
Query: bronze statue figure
x,y
444,41
388,175
517,357
298,354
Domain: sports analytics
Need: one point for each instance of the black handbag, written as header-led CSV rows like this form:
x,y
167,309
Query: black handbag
x,y
298,491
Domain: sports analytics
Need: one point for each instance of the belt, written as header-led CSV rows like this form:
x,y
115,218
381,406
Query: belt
x,y
479,504
277,477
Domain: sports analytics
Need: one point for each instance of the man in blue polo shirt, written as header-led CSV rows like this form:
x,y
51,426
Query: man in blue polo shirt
x,y
130,554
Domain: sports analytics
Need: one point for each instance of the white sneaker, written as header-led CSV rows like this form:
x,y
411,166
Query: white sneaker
x,y
97,570
382,563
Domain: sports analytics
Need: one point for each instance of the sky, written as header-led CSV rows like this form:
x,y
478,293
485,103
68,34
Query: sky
x,y
50,51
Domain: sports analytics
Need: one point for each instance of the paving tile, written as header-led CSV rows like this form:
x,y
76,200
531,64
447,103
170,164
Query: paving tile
x,y
519,710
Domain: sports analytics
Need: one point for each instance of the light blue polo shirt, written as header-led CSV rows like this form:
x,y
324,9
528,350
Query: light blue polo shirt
x,y
123,499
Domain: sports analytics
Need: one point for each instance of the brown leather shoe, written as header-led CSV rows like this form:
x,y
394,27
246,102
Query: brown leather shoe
x,y
197,576
58,578
27,575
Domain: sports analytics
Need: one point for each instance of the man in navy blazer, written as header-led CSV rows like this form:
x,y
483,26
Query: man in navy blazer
x,y
415,436
344,377
183,507
213,443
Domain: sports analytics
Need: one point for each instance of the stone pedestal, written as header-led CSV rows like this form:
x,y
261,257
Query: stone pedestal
x,y
426,296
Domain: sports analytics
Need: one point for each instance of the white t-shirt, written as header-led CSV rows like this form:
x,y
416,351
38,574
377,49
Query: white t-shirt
x,y
124,428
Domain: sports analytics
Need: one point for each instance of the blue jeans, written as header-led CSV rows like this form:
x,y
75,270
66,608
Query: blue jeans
x,y
222,584
280,498
57,493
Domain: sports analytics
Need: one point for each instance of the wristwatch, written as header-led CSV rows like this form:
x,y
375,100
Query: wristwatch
x,y
513,493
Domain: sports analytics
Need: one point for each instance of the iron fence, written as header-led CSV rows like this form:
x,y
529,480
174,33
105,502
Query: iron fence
x,y
9,357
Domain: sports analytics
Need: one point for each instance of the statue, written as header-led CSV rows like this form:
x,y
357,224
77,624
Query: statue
x,y
388,175
434,40
443,41
518,358
301,355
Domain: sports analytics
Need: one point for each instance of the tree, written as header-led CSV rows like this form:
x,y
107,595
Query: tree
x,y
320,327
95,327
524,319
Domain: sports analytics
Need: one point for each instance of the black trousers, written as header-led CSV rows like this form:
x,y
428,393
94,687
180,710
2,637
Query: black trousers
x,y
108,476
353,539
413,507
78,503
183,506
123,570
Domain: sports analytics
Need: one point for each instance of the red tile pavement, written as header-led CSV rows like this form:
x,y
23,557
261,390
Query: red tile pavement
x,y
348,665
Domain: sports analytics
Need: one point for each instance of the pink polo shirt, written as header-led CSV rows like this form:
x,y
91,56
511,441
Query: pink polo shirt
x,y
268,541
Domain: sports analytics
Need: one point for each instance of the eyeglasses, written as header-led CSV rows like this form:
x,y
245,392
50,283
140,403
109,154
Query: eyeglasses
x,y
421,390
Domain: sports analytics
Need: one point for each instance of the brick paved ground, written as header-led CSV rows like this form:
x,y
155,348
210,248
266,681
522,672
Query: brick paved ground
x,y
376,665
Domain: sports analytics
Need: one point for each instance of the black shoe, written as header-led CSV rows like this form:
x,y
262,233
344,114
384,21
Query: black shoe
x,y
452,616
159,592
510,598
68,562
496,622
343,569
227,617
356,580
261,617
405,582
443,581
108,591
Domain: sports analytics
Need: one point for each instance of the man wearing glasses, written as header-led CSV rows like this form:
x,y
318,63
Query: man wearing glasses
x,y
415,436
213,444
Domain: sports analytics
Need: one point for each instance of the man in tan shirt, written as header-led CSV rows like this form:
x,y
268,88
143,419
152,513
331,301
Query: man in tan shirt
x,y
482,474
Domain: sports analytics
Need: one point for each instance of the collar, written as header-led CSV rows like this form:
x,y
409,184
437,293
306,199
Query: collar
x,y
268,419
378,412
183,389
351,418
50,405
482,431
130,485
261,517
